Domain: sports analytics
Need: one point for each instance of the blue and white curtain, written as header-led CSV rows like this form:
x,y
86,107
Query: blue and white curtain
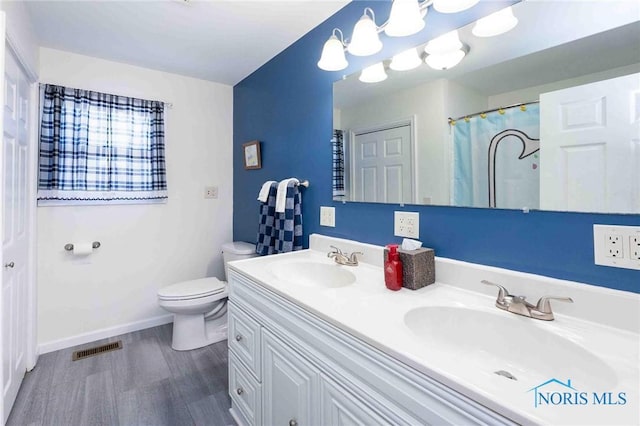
x,y
496,159
97,148
338,163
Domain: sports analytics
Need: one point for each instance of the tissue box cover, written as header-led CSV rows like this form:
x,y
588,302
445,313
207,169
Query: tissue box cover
x,y
418,267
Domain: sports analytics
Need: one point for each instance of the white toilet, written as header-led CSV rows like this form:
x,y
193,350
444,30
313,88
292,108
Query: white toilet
x,y
199,307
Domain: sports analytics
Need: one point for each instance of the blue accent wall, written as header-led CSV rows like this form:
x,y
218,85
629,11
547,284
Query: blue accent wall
x,y
287,105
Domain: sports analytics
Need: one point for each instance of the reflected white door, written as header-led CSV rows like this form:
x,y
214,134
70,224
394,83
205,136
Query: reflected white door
x,y
14,229
590,147
381,167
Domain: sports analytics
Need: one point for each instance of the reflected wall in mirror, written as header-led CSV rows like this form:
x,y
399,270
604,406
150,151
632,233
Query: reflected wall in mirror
x,y
546,116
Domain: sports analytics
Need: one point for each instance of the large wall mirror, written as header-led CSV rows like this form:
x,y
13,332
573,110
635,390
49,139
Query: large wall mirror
x,y
545,116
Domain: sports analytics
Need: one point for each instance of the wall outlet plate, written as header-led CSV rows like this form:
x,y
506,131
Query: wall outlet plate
x,y
406,224
210,192
617,246
328,216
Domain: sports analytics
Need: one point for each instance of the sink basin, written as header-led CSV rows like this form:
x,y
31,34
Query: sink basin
x,y
523,347
313,274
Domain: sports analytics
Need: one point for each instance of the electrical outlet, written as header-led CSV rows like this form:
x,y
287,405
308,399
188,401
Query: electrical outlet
x,y
210,192
617,246
634,246
327,216
613,245
406,224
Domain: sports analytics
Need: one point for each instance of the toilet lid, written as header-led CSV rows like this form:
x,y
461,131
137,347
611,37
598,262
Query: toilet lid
x,y
192,289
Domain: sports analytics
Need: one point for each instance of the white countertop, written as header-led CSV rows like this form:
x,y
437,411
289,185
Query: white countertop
x,y
367,310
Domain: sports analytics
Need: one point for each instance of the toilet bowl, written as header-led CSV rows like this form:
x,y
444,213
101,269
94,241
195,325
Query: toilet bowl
x,y
199,307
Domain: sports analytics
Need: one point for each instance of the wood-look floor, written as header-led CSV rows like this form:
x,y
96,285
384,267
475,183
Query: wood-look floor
x,y
144,383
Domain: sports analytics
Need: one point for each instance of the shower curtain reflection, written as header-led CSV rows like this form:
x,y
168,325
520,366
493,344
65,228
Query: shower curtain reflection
x,y
499,147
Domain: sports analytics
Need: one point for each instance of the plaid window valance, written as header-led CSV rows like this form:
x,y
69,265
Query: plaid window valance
x,y
97,148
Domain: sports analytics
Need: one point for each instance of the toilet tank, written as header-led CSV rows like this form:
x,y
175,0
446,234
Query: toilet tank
x,y
235,251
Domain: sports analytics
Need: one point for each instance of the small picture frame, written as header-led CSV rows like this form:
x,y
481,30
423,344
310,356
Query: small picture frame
x,y
251,152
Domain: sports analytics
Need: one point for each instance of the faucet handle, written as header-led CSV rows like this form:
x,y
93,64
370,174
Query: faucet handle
x,y
352,257
502,292
544,306
336,250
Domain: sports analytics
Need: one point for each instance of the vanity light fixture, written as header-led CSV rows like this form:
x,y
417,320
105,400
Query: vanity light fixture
x,y
333,58
407,60
373,74
453,6
446,51
406,18
365,40
495,24
444,44
444,61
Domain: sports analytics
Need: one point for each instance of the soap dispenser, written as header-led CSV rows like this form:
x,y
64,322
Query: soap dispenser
x,y
393,269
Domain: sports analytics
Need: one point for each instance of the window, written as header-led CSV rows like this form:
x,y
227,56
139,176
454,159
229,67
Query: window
x,y
97,148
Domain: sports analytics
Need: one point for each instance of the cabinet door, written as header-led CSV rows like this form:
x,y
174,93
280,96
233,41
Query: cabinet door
x,y
341,408
290,385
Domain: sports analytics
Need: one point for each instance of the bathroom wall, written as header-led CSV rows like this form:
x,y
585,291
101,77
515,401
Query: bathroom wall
x,y
144,247
533,93
287,104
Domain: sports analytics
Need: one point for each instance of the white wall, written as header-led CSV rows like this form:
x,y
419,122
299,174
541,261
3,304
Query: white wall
x,y
20,33
533,93
144,247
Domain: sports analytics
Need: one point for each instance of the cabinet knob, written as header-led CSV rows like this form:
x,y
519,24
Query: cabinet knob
x,y
239,391
238,337
293,422
9,265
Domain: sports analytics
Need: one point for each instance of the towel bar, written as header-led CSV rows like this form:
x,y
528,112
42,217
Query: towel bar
x,y
69,246
304,183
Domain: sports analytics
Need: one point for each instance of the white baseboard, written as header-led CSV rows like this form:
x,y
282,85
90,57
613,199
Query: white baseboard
x,y
103,333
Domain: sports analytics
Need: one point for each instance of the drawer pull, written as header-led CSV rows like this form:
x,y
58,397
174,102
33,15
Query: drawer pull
x,y
239,391
293,422
238,337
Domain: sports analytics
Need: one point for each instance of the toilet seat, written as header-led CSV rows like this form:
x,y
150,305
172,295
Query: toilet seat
x,y
193,289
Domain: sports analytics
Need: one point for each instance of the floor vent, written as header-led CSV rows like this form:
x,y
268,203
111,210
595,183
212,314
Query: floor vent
x,y
86,353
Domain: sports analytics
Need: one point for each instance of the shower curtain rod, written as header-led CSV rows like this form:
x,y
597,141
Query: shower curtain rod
x,y
453,120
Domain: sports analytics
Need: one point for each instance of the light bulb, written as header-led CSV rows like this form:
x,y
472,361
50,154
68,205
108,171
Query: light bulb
x,y
453,6
495,24
373,74
444,44
406,60
444,61
333,58
405,18
365,40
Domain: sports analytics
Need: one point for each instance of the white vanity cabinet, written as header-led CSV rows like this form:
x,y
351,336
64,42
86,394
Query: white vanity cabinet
x,y
290,385
303,370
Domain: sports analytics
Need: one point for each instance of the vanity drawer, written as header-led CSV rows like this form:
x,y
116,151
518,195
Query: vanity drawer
x,y
245,392
244,339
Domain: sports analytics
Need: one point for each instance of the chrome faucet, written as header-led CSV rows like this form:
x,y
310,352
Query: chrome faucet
x,y
519,305
344,259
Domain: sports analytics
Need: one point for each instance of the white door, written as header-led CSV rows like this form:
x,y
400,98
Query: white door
x,y
289,385
590,147
381,167
15,205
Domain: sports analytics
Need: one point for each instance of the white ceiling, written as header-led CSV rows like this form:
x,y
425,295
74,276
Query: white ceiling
x,y
221,41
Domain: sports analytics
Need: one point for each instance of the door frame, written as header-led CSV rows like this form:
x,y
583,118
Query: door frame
x,y
411,122
12,48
